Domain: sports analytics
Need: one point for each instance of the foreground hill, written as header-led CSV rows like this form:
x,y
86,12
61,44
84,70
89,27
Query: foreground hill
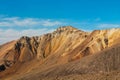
x,y
104,65
65,53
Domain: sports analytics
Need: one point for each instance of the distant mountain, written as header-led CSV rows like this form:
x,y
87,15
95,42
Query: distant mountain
x,y
67,53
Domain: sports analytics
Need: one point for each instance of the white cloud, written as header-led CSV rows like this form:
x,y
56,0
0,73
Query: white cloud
x,y
108,25
27,22
11,34
49,23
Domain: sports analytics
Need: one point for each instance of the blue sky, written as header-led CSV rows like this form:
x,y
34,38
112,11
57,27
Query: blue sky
x,y
36,17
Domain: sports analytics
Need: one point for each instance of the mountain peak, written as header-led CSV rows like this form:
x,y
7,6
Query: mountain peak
x,y
67,28
66,44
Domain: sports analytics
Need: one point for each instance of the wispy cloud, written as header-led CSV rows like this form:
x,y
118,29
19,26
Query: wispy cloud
x,y
108,25
50,23
12,34
27,22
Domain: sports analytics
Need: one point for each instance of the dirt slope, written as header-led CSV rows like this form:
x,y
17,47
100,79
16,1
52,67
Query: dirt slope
x,y
101,66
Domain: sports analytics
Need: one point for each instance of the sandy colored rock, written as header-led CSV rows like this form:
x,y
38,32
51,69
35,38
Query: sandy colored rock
x,y
32,57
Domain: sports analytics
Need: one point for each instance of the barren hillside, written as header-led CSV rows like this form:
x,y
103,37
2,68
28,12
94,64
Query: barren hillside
x,y
63,54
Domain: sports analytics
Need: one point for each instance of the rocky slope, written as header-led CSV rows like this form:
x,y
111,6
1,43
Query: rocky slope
x,y
104,65
63,47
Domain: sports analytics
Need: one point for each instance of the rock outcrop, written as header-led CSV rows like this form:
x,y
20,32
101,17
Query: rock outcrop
x,y
97,41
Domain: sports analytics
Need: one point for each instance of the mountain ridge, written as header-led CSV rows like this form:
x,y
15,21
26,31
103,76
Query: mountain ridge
x,y
63,46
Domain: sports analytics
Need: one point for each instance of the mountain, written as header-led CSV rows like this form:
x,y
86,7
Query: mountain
x,y
63,54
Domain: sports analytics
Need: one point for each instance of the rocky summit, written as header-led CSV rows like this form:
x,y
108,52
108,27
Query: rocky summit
x,y
65,54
